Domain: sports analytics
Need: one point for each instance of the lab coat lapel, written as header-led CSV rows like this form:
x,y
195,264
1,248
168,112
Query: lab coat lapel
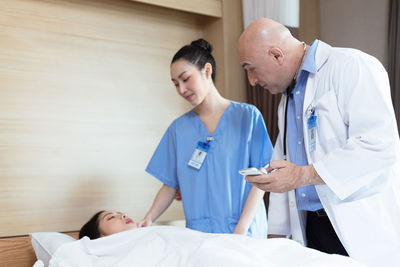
x,y
321,56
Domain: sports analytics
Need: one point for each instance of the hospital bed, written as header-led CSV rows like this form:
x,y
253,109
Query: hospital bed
x,y
171,246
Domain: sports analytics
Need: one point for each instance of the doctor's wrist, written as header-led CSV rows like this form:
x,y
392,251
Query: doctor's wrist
x,y
310,176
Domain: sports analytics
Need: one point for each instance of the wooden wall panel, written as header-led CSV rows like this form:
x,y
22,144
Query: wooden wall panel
x,y
85,96
310,22
235,76
211,8
224,35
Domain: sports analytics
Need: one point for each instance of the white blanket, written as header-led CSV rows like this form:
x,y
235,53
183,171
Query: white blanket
x,y
176,246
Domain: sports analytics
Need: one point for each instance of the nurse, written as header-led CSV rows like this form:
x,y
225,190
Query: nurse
x,y
202,151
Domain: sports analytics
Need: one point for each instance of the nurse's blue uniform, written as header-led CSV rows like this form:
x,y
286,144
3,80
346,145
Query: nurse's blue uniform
x,y
213,197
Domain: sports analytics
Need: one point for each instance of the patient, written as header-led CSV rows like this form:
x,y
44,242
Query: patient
x,y
106,222
177,246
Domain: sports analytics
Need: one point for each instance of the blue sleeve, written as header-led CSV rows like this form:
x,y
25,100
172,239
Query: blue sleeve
x,y
261,147
163,162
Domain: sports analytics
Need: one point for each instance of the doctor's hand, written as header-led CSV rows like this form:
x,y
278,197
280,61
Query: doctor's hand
x,y
286,176
145,222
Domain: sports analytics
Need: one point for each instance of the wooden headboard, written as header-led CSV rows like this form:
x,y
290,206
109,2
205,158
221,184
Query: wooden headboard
x,y
18,252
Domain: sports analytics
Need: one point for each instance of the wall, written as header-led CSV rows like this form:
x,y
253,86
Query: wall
x,y
85,98
360,24
309,28
235,79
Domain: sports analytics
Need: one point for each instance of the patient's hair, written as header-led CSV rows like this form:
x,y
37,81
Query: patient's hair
x,y
198,53
91,228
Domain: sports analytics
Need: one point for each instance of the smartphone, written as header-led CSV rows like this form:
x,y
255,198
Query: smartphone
x,y
250,171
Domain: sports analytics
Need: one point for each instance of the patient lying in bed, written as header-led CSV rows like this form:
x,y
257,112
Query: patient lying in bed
x,y
107,222
111,238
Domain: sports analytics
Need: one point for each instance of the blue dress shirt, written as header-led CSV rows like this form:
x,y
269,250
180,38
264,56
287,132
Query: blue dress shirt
x,y
306,196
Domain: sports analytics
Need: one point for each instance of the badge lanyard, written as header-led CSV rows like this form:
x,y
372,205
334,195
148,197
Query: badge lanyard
x,y
288,92
200,153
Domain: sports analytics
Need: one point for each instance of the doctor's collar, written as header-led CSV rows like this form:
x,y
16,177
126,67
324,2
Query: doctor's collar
x,y
292,85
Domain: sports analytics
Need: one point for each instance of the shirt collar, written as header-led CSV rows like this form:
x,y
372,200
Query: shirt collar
x,y
309,62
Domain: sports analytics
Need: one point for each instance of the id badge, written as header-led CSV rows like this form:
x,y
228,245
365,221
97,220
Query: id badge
x,y
199,155
312,131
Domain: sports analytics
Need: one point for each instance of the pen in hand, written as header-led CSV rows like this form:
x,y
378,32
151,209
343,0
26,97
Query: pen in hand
x,y
264,169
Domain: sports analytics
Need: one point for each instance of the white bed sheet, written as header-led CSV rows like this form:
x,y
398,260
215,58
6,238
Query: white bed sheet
x,y
176,246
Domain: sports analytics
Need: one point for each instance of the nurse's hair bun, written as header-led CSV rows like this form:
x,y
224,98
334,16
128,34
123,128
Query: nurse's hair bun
x,y
197,53
203,44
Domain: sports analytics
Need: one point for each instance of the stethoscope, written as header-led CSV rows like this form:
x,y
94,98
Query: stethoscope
x,y
288,92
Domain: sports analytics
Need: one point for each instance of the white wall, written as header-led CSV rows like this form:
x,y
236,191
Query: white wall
x,y
360,24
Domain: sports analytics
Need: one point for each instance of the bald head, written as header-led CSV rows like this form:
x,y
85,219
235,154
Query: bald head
x,y
265,31
269,53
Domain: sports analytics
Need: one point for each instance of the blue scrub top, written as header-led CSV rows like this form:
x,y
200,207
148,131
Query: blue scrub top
x,y
214,196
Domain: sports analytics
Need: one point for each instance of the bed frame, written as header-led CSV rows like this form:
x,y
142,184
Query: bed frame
x,y
17,251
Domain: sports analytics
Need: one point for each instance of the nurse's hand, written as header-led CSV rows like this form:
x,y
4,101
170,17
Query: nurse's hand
x,y
240,231
145,222
286,176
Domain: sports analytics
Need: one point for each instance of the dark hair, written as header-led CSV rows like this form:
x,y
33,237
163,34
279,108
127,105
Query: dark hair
x,y
91,228
198,53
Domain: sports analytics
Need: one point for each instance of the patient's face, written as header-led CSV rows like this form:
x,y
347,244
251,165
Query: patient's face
x,y
111,222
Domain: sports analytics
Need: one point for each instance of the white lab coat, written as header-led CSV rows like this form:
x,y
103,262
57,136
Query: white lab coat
x,y
357,155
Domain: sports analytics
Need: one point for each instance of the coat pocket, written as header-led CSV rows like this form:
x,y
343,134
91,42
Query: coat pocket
x,y
331,129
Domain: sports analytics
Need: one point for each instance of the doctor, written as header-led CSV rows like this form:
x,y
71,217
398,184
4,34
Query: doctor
x,y
335,185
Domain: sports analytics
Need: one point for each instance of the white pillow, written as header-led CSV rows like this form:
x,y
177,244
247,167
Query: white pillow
x,y
38,263
45,244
